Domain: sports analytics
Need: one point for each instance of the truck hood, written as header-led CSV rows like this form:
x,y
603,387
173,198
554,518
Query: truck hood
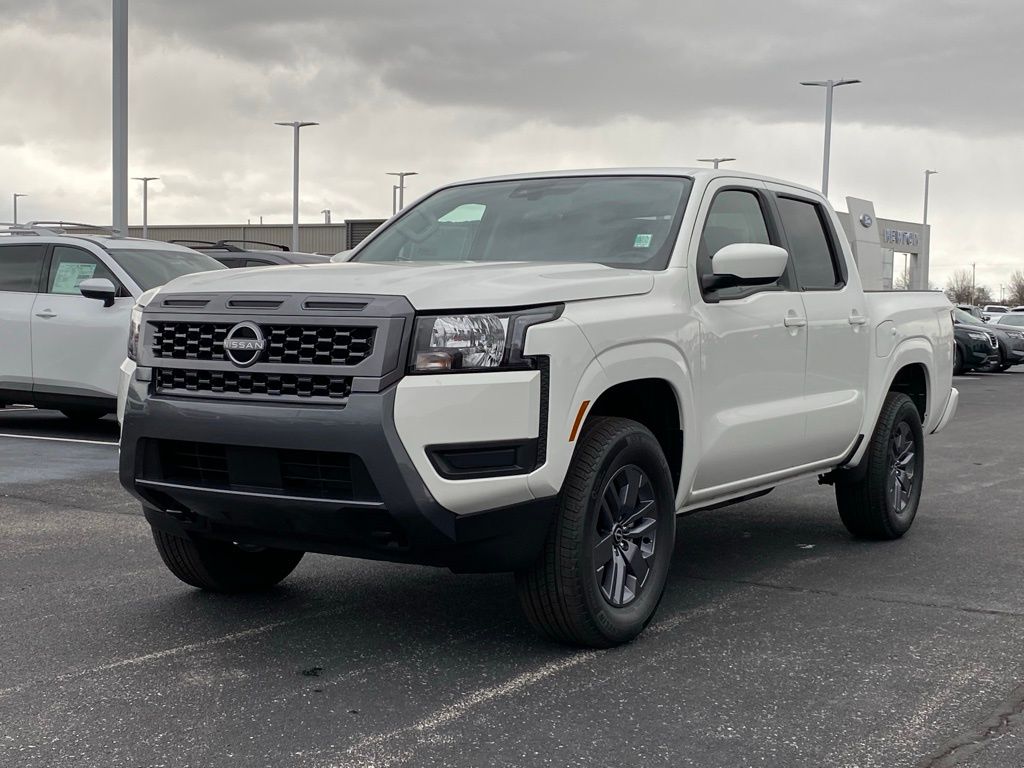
x,y
430,286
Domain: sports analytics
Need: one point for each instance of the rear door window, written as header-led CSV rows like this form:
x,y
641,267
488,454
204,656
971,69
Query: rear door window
x,y
21,267
812,250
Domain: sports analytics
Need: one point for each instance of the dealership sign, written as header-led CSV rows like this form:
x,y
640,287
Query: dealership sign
x,y
898,237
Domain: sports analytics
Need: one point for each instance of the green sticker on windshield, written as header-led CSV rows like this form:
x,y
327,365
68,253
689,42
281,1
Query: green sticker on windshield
x,y
642,241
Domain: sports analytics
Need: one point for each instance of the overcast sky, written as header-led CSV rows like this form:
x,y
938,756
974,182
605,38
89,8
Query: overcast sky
x,y
460,88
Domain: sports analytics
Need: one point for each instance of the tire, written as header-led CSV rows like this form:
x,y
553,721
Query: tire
x,y
84,415
617,501
220,566
882,504
958,361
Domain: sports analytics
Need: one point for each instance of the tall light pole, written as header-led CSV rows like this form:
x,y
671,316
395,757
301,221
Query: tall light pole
x,y
145,202
926,242
119,132
828,85
715,160
401,187
327,215
15,197
974,281
296,126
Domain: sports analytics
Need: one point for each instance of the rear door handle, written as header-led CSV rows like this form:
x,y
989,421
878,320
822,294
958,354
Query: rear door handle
x,y
856,319
46,314
792,321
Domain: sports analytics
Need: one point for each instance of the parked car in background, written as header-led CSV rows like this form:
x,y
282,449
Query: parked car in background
x,y
972,310
973,349
1010,320
235,254
994,309
500,379
65,302
1010,343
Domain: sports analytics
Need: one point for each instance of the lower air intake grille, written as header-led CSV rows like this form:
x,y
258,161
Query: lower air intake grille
x,y
246,385
283,472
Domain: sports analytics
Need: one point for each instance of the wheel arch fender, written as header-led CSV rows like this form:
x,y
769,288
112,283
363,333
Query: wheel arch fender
x,y
915,351
651,361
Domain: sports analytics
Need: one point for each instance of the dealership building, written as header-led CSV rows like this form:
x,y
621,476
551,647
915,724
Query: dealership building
x,y
882,248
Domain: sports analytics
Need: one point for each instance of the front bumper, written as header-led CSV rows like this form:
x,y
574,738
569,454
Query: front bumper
x,y
401,520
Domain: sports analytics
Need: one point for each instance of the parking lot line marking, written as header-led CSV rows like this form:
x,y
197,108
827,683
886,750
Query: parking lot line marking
x,y
58,439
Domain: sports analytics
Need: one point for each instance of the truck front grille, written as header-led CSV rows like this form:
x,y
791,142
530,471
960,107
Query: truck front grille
x,y
274,471
285,344
251,384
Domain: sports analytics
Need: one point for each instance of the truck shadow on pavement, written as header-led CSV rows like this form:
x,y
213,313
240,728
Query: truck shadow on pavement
x,y
349,610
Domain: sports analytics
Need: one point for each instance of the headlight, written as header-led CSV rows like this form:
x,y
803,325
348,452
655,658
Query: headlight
x,y
1015,334
474,341
134,329
978,336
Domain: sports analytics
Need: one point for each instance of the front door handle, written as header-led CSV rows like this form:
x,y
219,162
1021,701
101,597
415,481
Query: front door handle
x,y
856,319
792,321
46,314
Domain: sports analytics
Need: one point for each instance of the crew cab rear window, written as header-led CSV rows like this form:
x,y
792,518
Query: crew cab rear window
x,y
811,248
21,267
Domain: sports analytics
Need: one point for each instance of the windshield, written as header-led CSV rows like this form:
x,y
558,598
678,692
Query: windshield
x,y
621,221
151,268
965,317
1015,320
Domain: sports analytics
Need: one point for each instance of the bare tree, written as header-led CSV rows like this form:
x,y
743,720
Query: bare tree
x,y
902,281
983,295
1015,296
959,287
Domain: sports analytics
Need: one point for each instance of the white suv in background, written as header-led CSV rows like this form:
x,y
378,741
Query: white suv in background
x,y
65,303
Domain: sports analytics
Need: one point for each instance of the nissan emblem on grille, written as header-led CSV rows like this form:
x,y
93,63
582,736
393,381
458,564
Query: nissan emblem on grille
x,y
244,344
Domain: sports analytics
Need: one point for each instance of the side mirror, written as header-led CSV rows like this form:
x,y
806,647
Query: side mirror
x,y
746,264
99,288
341,257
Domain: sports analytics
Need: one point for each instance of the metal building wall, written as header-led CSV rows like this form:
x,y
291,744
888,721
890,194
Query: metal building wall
x,y
313,238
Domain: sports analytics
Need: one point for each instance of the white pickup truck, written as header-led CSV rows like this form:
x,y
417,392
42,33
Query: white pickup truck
x,y
532,374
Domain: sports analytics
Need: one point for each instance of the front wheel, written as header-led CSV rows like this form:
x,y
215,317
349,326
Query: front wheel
x,y
220,566
958,361
882,504
84,415
605,562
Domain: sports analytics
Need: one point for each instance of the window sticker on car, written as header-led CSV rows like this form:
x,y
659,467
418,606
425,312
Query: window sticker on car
x,y
642,241
70,275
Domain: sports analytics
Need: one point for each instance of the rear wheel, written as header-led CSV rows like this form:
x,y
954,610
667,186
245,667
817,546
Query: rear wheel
x,y
605,562
220,566
882,504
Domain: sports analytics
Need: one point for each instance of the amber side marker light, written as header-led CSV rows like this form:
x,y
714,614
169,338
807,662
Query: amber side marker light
x,y
579,420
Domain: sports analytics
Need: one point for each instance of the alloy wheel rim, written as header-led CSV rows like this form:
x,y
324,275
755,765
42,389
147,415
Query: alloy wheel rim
x,y
626,528
902,468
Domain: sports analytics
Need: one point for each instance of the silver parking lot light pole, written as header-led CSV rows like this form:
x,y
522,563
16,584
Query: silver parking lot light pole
x,y
401,187
715,160
145,202
925,239
119,132
15,197
327,215
829,86
296,126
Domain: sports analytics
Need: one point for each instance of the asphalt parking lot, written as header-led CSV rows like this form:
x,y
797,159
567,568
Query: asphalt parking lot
x,y
780,640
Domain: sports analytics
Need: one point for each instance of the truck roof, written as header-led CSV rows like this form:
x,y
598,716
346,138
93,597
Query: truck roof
x,y
692,172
